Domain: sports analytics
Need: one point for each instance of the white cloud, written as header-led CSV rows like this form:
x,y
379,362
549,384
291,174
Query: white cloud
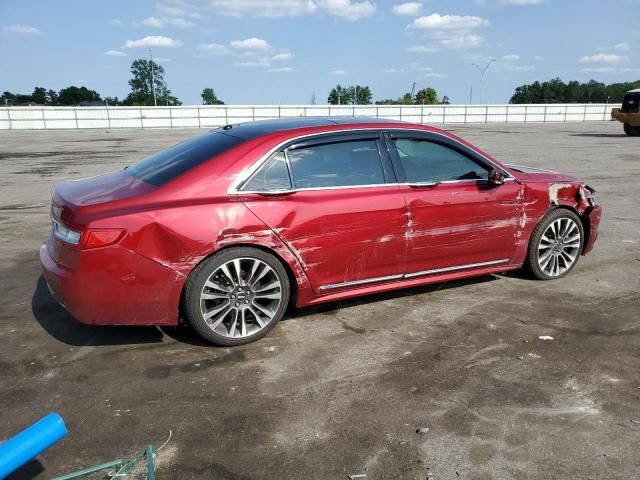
x,y
435,75
282,57
213,49
116,22
391,70
21,30
538,58
461,41
252,44
611,70
282,70
155,22
520,2
512,57
516,68
421,49
417,67
435,21
339,72
622,47
409,8
263,62
116,53
601,58
345,9
153,41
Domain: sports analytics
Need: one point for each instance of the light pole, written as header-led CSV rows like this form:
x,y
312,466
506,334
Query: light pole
x,y
482,70
153,80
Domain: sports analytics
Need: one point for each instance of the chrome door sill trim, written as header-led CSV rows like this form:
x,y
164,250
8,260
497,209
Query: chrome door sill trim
x,y
361,282
411,275
457,267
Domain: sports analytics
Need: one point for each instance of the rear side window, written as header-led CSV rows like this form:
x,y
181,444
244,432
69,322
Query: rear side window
x,y
425,161
348,163
166,165
272,176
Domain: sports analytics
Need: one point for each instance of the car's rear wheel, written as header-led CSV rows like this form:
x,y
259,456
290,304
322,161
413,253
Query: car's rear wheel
x,y
236,296
555,245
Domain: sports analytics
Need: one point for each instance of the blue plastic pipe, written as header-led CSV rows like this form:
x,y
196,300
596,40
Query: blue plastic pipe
x,y
30,442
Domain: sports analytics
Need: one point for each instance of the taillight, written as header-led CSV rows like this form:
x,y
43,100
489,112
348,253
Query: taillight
x,y
102,237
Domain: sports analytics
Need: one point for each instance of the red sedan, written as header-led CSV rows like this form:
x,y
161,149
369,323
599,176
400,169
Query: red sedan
x,y
227,229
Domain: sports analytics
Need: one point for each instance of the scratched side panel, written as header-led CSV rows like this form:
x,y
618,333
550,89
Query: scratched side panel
x,y
459,224
339,235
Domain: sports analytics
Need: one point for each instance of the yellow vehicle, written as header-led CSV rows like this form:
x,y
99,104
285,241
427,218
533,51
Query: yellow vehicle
x,y
629,114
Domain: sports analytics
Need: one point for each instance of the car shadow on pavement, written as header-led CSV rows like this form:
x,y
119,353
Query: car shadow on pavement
x,y
58,323
604,135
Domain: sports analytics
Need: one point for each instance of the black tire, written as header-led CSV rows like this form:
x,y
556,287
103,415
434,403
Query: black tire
x,y
631,131
534,255
193,304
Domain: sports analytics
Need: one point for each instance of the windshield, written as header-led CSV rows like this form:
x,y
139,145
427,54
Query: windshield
x,y
167,164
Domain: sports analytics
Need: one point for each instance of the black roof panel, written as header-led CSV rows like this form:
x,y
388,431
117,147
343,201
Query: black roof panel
x,y
250,130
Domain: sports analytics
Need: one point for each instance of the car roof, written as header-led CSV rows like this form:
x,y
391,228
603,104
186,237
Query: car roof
x,y
251,130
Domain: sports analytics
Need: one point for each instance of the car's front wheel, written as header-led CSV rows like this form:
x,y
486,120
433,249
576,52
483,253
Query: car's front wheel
x,y
555,245
631,130
236,296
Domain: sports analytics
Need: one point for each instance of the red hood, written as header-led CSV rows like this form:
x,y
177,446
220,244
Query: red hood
x,y
530,174
71,196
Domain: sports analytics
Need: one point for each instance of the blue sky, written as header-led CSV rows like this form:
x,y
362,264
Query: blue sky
x,y
283,51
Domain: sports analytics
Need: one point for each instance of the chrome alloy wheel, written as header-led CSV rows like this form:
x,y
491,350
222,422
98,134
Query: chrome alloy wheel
x,y
559,247
240,297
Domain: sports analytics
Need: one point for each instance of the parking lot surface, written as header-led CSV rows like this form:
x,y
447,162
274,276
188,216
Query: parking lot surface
x,y
446,381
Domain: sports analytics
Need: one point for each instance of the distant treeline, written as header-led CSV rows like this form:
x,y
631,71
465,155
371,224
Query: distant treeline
x,y
556,91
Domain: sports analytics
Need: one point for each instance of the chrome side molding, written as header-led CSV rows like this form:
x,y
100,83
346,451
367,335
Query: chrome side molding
x,y
412,275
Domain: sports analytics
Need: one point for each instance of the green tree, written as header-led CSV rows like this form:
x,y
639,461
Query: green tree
x,y
209,97
339,96
7,99
147,80
39,95
359,95
445,101
556,91
52,97
74,95
112,101
426,96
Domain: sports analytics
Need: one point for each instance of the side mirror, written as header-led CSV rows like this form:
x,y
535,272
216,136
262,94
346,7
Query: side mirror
x,y
496,177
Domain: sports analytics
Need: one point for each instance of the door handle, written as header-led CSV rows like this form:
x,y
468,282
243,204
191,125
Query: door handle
x,y
423,184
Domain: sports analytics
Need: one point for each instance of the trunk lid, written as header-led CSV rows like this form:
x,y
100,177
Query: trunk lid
x,y
73,195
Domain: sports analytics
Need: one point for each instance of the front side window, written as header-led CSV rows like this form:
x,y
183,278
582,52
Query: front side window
x,y
272,176
348,163
426,161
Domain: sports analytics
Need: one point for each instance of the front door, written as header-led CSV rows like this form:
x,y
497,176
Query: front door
x,y
457,219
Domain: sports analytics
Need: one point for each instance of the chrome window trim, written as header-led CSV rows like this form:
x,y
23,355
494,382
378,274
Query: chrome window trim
x,y
412,275
243,176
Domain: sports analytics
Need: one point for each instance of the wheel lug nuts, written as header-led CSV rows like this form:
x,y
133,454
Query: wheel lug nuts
x,y
237,304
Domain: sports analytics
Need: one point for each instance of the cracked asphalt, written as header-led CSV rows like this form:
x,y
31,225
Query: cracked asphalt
x,y
344,388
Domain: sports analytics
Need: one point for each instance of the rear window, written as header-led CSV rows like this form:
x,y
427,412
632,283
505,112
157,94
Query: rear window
x,y
166,165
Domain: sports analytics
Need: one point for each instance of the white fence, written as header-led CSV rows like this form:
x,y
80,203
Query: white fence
x,y
208,116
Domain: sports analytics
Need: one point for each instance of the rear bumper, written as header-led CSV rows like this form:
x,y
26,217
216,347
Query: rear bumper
x,y
112,286
593,217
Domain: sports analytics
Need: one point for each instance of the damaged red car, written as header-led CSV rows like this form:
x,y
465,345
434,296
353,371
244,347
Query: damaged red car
x,y
229,228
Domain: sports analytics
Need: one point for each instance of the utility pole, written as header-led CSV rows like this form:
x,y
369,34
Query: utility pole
x,y
413,89
153,80
470,95
482,71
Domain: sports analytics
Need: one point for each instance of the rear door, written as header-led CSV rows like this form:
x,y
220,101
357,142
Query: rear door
x,y
335,202
457,219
